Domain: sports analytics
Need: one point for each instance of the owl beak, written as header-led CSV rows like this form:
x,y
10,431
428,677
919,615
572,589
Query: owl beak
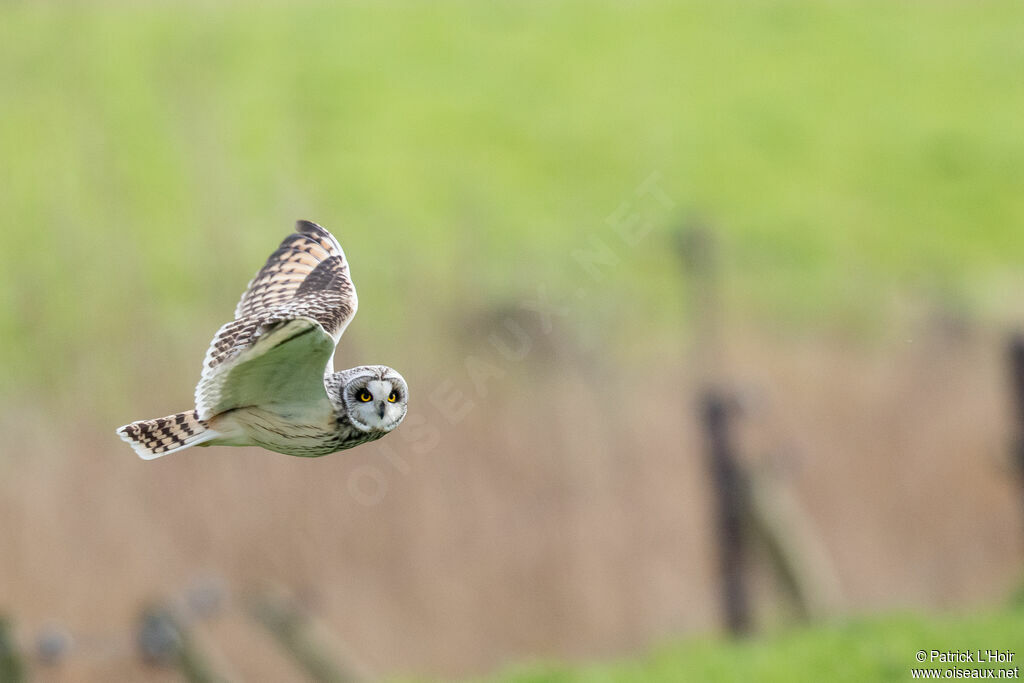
x,y
381,409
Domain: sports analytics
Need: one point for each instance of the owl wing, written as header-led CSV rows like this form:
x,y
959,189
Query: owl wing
x,y
309,262
286,326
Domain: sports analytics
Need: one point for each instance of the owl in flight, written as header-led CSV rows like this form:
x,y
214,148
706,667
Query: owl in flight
x,y
268,378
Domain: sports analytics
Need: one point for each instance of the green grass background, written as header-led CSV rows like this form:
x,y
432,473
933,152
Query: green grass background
x,y
878,649
153,156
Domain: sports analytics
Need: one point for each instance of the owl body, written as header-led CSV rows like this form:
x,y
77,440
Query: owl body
x,y
267,379
320,428
284,431
290,432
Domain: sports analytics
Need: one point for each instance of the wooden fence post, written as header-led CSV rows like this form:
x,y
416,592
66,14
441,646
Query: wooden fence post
x,y
1016,357
698,251
12,666
800,560
163,640
750,507
731,509
294,631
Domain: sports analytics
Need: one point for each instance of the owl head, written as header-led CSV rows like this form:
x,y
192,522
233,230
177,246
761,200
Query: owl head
x,y
375,397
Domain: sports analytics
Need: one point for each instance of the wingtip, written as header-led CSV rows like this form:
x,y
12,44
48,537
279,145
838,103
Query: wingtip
x,y
305,227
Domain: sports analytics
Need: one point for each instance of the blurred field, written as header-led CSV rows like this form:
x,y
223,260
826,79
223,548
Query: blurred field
x,y
462,152
861,162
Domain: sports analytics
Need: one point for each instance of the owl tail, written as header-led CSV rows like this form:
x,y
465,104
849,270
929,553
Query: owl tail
x,y
153,438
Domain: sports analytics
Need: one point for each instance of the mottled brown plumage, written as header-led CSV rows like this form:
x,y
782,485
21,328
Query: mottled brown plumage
x,y
308,262
307,276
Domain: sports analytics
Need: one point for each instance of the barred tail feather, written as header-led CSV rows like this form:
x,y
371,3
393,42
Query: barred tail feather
x,y
154,438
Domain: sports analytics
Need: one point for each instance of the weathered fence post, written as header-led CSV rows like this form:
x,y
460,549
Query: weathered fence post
x,y
800,560
163,640
1016,354
751,507
697,247
12,667
731,508
294,631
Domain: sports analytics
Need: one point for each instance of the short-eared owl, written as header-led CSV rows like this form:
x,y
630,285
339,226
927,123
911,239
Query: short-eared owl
x,y
268,377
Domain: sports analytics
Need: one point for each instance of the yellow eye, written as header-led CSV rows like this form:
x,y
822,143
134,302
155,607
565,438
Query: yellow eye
x,y
365,396
392,397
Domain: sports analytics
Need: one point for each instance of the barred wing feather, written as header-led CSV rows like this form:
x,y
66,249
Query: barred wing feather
x,y
286,326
